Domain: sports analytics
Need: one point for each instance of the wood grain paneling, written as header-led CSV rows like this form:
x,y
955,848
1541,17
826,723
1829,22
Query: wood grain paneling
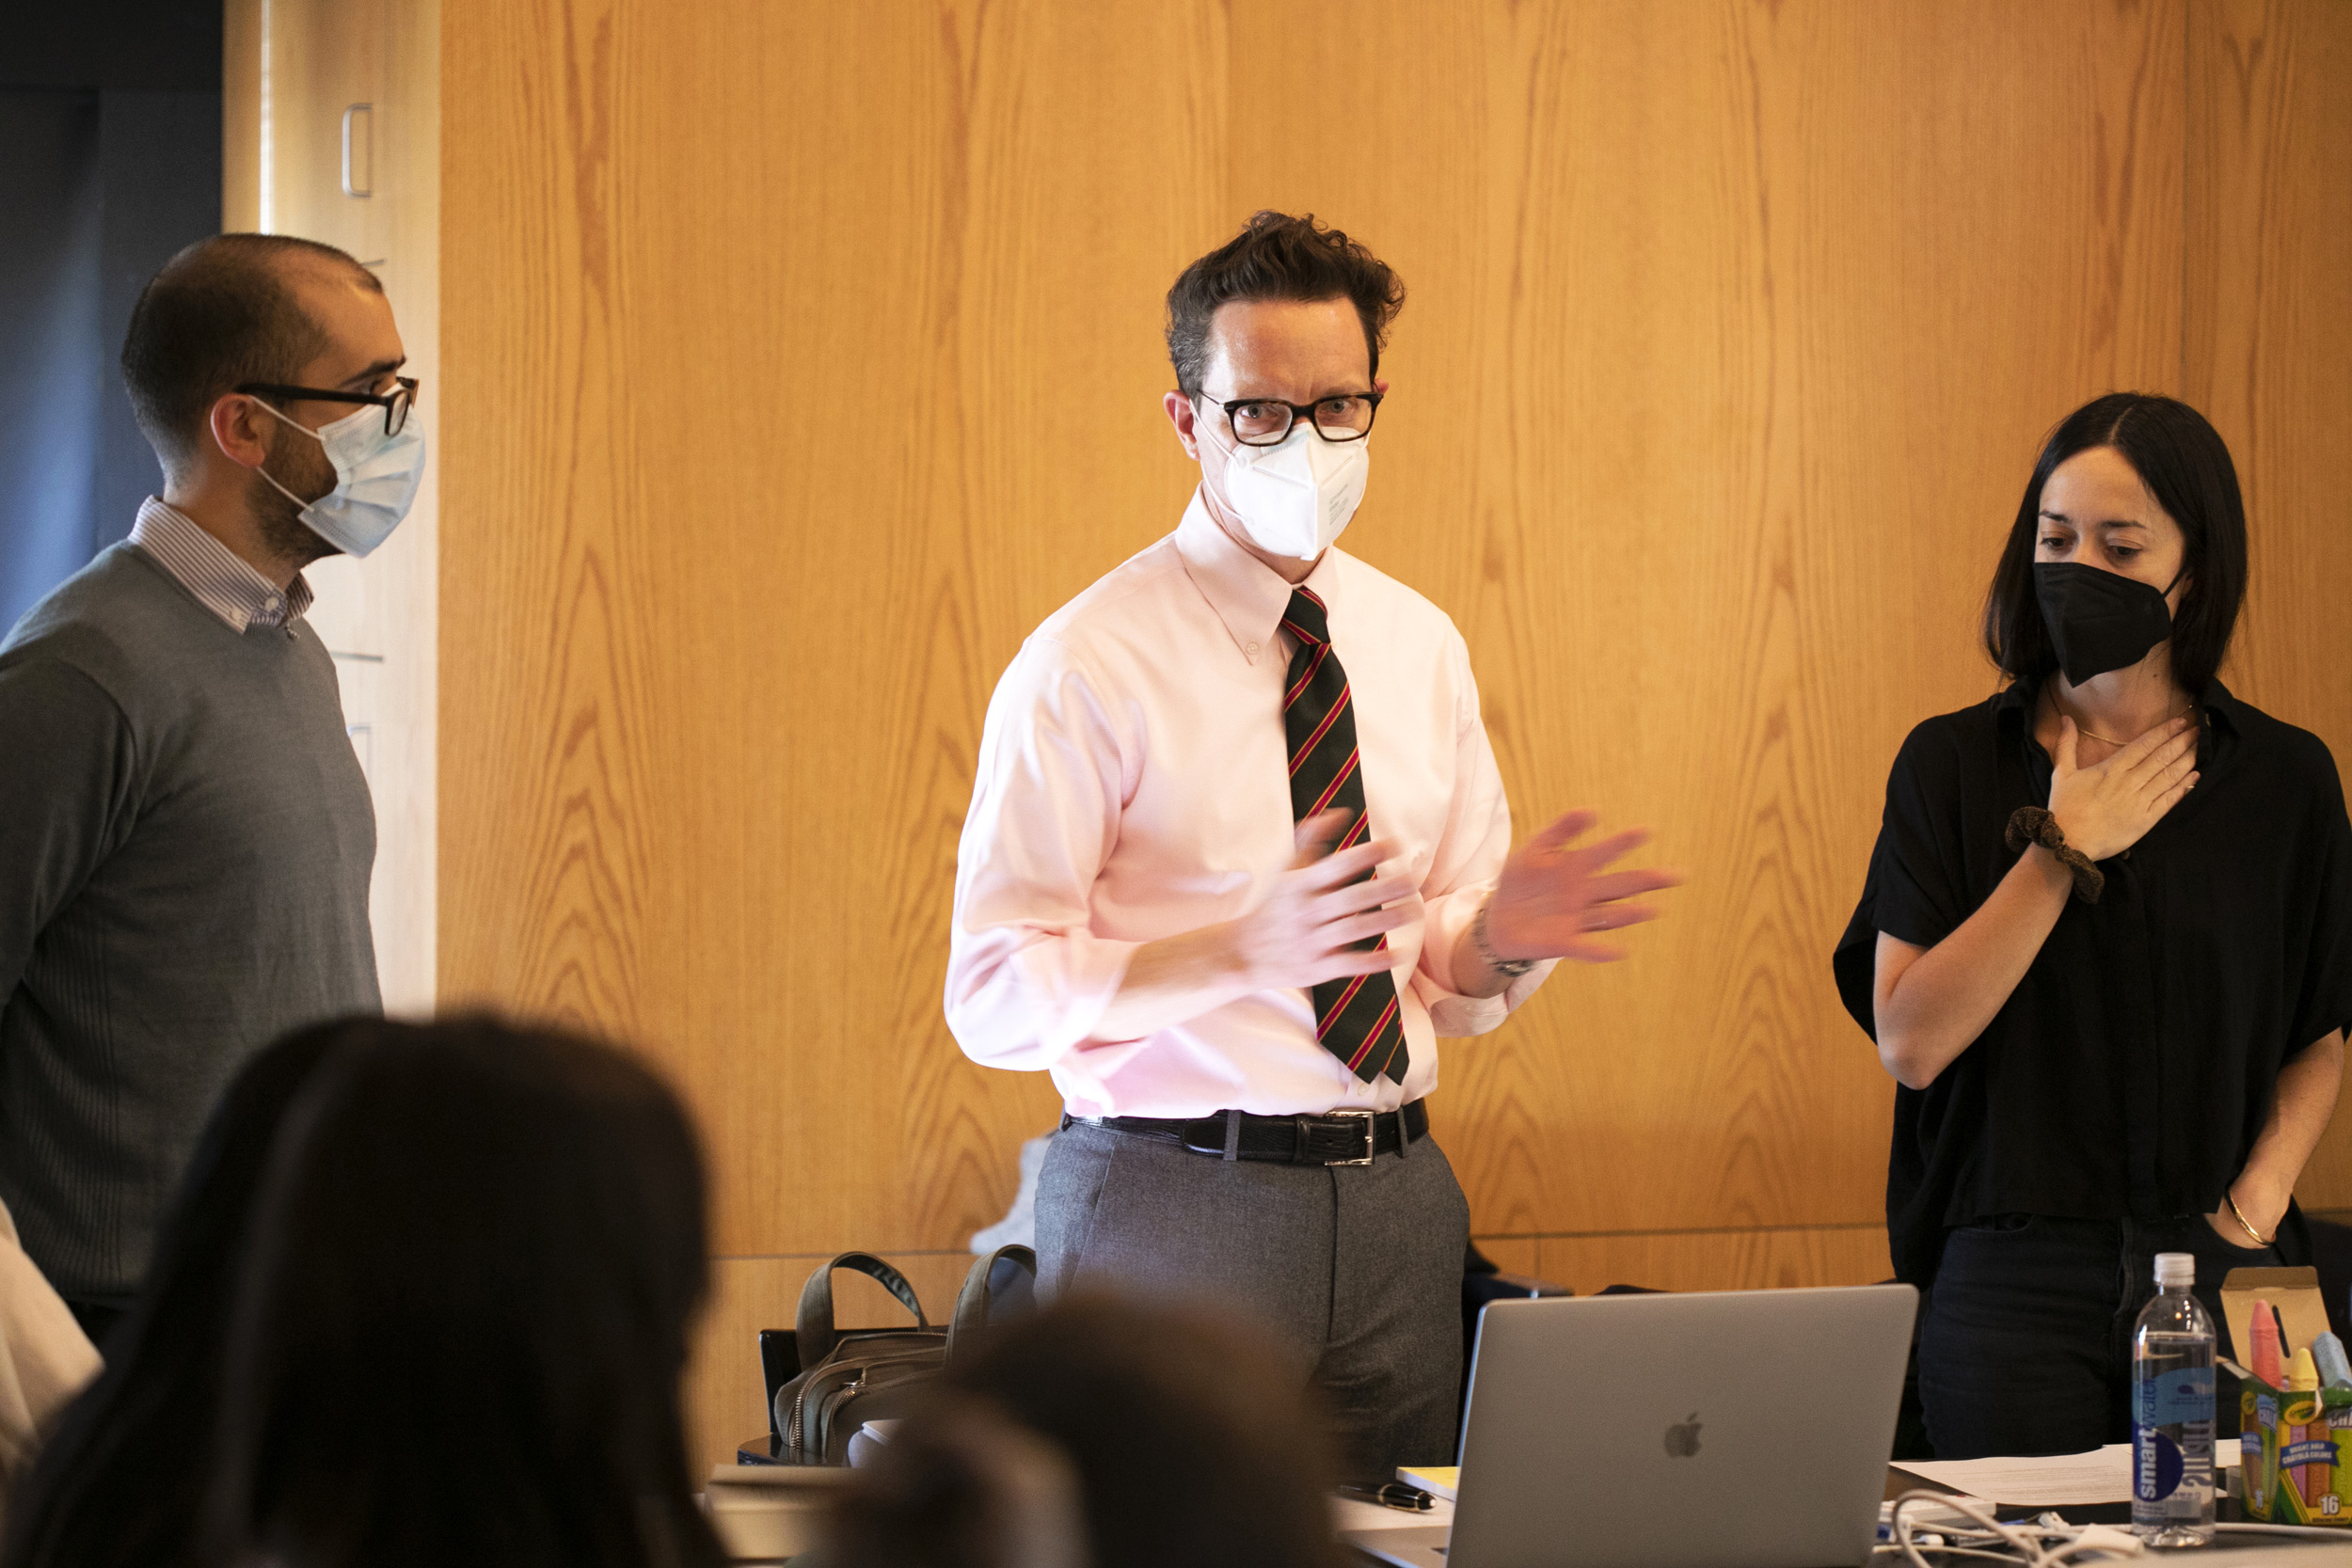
x,y
800,360
786,398
2268,356
1734,328
813,389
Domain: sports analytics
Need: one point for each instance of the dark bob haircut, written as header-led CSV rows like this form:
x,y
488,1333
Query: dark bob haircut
x,y
2185,466
1277,256
463,1311
220,314
121,1481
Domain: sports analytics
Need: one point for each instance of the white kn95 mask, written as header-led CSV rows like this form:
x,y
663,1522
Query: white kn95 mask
x,y
1296,498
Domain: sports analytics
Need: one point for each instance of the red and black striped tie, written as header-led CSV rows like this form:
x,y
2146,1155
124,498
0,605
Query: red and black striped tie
x,y
1356,1017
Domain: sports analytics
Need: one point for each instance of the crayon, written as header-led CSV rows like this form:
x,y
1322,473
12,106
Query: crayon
x,y
2335,1371
2269,1344
2309,1480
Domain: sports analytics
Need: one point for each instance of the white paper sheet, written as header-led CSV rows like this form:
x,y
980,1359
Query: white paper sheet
x,y
2056,1480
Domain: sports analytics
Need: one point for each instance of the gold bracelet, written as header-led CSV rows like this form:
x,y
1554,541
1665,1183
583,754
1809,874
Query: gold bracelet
x,y
2231,1199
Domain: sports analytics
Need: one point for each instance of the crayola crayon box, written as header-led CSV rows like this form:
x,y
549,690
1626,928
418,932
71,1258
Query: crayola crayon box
x,y
2293,1449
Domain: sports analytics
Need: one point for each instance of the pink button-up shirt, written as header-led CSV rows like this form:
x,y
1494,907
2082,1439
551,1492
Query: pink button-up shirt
x,y
1134,785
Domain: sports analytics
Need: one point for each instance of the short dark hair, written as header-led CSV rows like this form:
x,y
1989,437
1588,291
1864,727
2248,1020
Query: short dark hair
x,y
463,1312
1277,256
2185,464
219,314
1190,1439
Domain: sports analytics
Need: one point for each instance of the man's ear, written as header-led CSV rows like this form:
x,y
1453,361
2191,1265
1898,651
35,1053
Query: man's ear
x,y
241,429
1181,414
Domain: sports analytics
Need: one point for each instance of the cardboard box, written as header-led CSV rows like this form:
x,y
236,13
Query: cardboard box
x,y
2293,1446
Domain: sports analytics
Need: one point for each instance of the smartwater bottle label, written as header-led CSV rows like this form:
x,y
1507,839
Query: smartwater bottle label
x,y
2175,1397
2182,1401
2155,1466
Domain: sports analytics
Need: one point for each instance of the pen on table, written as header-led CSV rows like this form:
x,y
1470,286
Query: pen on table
x,y
1395,1493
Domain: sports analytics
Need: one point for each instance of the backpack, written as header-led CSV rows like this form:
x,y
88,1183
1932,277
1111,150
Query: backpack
x,y
865,1375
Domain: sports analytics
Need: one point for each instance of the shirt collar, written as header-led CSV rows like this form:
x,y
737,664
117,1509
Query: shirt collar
x,y
1248,595
220,580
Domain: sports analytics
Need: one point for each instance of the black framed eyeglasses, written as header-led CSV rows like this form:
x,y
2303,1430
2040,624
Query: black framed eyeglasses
x,y
395,403
1266,421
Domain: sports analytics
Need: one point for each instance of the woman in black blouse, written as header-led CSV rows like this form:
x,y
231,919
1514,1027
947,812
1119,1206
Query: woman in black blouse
x,y
2105,946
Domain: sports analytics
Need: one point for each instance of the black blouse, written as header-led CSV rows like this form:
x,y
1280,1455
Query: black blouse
x,y
2129,1073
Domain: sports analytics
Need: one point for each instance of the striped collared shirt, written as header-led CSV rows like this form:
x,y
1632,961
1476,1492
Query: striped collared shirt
x,y
209,569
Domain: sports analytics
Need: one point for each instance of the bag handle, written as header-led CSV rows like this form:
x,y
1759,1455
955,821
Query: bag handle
x,y
973,1300
813,1332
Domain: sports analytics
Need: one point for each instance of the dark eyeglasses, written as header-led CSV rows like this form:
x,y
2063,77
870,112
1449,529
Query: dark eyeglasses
x,y
1266,421
395,403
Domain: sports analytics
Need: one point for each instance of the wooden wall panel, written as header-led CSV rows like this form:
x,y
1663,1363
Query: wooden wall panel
x,y
800,360
2269,356
1734,329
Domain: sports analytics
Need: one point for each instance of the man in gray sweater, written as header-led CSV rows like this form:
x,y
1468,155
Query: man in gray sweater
x,y
185,835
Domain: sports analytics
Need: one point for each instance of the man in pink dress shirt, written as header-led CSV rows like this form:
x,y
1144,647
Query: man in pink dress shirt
x,y
1238,854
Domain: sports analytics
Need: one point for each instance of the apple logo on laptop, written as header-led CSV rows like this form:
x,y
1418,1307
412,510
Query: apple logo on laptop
x,y
1682,1440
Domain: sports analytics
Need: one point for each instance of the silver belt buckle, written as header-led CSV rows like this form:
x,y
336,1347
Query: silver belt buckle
x,y
1370,1143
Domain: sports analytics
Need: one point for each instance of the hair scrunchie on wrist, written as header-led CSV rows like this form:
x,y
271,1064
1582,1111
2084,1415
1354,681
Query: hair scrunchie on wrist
x,y
2032,824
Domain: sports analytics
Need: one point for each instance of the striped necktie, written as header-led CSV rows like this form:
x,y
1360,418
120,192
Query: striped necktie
x,y
1356,1017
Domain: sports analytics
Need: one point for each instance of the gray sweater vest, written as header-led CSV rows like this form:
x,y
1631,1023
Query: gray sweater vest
x,y
186,842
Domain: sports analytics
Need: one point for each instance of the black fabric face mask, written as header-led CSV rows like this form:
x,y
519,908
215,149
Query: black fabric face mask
x,y
2098,621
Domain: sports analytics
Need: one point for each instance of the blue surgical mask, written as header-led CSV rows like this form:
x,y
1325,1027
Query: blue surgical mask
x,y
375,480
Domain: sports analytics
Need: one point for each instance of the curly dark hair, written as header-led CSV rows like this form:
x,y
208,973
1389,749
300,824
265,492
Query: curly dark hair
x,y
1277,256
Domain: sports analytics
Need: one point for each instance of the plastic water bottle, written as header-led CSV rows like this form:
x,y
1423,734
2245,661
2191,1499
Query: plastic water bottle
x,y
2172,1411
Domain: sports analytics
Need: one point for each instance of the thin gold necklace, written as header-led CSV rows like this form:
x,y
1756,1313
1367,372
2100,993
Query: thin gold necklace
x,y
2102,740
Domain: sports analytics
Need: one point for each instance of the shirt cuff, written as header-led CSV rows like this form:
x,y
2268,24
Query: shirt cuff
x,y
1038,1003
1447,922
1455,1016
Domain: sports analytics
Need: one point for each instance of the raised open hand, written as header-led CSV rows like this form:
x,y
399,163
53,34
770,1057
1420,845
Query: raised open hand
x,y
1306,929
2106,810
1552,895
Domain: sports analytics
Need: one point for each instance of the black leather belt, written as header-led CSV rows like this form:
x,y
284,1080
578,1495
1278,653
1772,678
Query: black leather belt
x,y
1333,1138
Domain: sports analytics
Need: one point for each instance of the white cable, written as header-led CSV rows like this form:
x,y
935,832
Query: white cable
x,y
2026,1541
2028,1549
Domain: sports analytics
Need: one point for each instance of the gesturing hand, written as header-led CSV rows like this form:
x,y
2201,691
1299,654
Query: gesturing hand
x,y
1553,897
2106,810
1305,930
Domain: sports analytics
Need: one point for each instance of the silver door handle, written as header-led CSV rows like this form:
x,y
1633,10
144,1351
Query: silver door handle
x,y
364,184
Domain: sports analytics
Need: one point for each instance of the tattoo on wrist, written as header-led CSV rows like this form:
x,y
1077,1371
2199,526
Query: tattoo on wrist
x,y
1483,946
2032,824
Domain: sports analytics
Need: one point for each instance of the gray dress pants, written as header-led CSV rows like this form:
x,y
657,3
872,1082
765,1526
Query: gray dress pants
x,y
1355,1270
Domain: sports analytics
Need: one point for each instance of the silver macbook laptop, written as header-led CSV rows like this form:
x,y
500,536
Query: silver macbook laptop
x,y
1746,1428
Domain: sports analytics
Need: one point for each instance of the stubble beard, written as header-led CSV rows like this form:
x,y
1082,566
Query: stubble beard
x,y
305,471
